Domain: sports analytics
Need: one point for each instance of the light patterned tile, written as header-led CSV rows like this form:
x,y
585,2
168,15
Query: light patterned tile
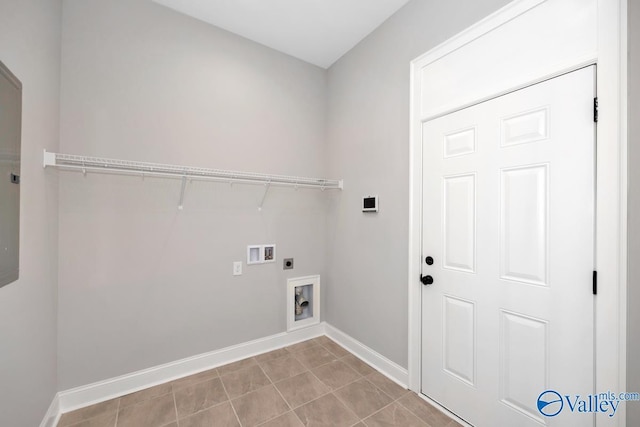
x,y
201,399
301,346
326,411
301,389
290,419
363,398
423,410
241,382
275,354
322,339
385,384
145,394
259,406
358,365
197,397
236,366
218,416
99,409
315,356
335,374
194,379
105,420
155,412
394,415
335,348
284,367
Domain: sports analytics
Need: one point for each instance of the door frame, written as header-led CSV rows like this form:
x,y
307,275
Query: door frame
x,y
608,51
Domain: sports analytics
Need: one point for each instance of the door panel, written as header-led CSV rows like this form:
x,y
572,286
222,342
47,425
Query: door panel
x,y
508,216
459,339
460,223
524,218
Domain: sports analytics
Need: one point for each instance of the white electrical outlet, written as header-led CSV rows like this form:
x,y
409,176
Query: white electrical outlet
x,y
237,268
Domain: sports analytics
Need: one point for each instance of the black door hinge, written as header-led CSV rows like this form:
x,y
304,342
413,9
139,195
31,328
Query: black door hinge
x,y
15,179
595,282
595,109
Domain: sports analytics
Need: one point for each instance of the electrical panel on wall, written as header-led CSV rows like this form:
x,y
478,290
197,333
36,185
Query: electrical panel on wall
x,y
370,204
260,254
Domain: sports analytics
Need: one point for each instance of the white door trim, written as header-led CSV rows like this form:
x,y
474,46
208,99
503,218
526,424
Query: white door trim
x,y
611,249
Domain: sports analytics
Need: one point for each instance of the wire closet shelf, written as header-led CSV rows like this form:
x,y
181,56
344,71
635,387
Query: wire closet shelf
x,y
98,164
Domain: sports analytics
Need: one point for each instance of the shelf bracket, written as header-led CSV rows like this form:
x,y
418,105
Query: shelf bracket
x,y
264,196
184,184
49,159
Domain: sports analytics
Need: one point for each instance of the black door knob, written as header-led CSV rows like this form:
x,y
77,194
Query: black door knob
x,y
426,280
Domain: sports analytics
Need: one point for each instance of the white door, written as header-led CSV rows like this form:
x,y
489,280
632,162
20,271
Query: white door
x,y
508,219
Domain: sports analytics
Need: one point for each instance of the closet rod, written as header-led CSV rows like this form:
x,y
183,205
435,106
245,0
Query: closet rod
x,y
84,163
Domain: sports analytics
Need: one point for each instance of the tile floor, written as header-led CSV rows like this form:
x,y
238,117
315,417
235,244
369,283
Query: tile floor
x,y
313,383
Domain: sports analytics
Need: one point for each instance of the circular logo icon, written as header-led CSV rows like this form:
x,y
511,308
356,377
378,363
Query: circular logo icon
x,y
550,403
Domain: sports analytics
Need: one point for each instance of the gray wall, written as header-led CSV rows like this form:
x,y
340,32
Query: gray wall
x,y
633,211
30,47
142,283
368,145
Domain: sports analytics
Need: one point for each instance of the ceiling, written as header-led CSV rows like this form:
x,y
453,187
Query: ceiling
x,y
316,31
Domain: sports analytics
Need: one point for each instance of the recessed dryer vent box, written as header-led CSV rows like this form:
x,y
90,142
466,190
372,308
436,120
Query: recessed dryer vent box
x,y
303,302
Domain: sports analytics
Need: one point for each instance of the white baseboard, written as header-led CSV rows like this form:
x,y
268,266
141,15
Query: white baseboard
x,y
391,369
52,416
135,381
90,394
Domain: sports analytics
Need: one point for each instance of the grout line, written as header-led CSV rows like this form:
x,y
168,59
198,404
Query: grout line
x,y
310,347
293,408
297,417
338,359
347,406
220,375
380,389
361,361
332,352
280,393
298,360
287,354
175,406
230,402
380,410
327,393
200,381
276,388
118,412
409,409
